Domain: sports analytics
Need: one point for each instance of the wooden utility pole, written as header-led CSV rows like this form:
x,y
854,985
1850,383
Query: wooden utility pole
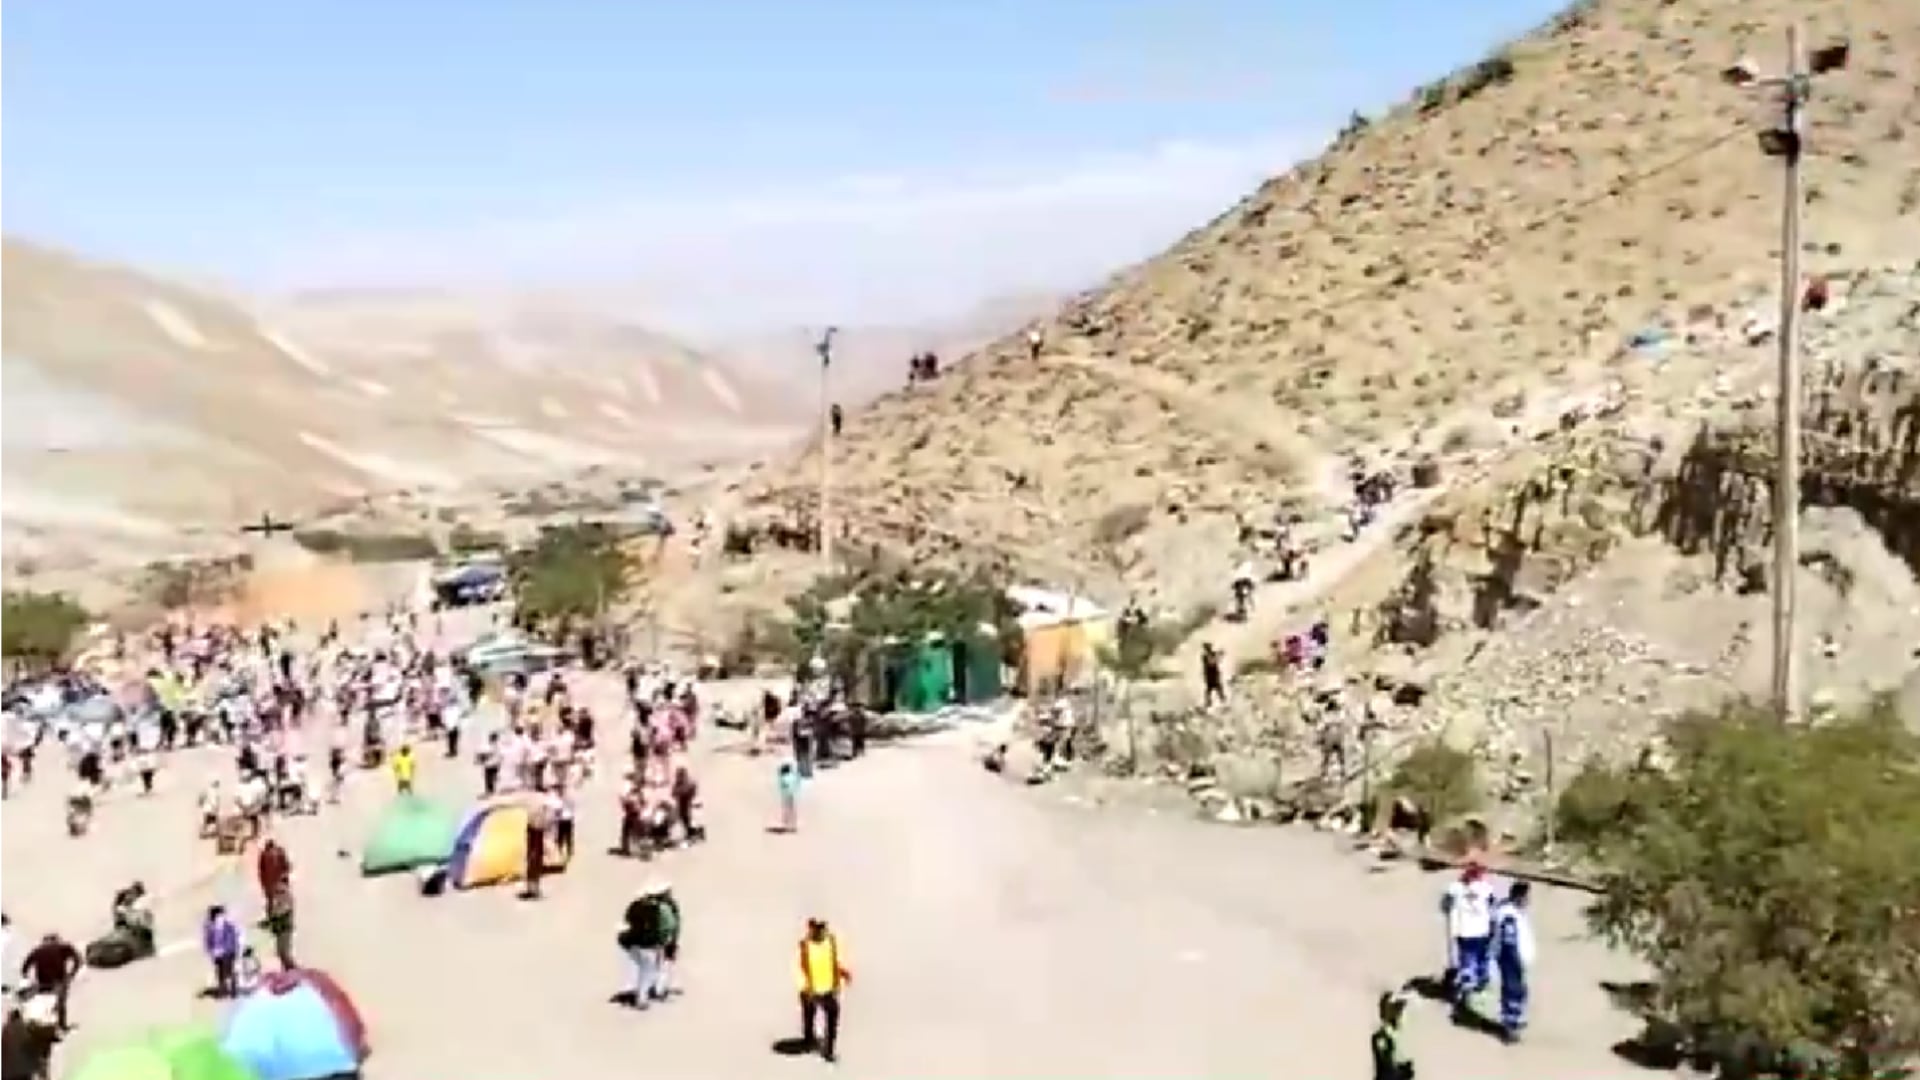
x,y
1783,139
1786,487
825,349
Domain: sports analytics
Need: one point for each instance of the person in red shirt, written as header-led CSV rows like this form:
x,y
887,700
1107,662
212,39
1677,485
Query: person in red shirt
x,y
275,871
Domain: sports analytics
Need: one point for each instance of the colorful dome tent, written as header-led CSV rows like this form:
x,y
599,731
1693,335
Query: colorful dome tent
x,y
412,832
299,1025
490,847
170,1054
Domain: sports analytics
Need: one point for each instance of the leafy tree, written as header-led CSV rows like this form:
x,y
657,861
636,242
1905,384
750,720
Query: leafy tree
x,y
1770,875
38,628
570,574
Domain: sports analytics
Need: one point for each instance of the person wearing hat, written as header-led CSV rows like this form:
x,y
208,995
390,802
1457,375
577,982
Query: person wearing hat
x,y
1468,908
1390,1060
821,975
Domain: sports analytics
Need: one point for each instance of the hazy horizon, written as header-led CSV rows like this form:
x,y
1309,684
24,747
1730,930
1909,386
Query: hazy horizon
x,y
735,168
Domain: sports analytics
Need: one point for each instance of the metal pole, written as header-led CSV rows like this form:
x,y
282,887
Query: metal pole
x,y
1786,509
825,349
1546,742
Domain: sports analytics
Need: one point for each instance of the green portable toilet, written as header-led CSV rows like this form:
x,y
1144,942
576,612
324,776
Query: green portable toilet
x,y
927,677
977,668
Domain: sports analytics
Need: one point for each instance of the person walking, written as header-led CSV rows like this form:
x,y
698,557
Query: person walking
x,y
821,975
50,969
1390,1060
220,935
538,823
1513,948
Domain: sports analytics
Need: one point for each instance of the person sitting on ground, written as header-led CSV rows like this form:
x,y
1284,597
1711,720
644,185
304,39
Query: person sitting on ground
x,y
132,915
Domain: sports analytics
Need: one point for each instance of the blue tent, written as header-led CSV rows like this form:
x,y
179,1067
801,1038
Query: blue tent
x,y
298,1026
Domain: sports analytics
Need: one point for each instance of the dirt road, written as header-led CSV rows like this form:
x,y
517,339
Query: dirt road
x,y
995,931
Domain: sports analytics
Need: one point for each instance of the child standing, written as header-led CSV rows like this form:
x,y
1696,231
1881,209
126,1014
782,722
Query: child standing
x,y
788,779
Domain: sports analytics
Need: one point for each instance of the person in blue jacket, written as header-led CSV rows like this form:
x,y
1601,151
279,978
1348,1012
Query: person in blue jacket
x,y
1513,952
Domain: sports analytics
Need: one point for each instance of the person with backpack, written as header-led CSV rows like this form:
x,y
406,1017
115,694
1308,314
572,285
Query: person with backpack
x,y
644,935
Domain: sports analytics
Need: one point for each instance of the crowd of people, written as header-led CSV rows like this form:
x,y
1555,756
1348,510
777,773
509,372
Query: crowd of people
x,y
301,715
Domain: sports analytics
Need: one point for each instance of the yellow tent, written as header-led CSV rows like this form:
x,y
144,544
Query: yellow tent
x,y
490,847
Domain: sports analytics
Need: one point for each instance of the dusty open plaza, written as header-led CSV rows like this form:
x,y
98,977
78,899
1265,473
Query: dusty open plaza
x,y
992,931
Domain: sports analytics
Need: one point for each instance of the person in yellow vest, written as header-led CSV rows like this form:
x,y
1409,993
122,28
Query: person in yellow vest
x,y
403,765
821,975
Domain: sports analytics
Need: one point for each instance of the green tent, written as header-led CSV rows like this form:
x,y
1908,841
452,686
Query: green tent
x,y
412,832
171,1054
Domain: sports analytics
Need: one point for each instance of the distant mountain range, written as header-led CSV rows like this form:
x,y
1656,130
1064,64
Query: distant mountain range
x,y
141,413
137,410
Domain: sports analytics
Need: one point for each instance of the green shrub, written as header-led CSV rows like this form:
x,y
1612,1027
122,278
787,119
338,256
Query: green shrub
x,y
39,628
1442,781
368,547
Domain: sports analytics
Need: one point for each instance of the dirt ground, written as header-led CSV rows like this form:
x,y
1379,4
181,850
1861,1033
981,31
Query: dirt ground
x,y
993,930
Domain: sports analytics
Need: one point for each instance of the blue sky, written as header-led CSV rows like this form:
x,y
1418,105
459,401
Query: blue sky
x,y
827,158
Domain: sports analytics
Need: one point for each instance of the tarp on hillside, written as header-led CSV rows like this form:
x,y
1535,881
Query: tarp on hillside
x,y
412,832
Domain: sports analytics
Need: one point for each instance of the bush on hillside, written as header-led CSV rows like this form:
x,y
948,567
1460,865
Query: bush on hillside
x,y
368,547
464,539
1770,877
39,628
188,583
1443,782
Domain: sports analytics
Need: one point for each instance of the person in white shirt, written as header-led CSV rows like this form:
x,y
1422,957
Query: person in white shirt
x,y
1468,908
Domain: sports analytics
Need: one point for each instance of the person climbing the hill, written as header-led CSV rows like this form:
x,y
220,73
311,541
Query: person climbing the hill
x,y
1212,678
822,975
1243,584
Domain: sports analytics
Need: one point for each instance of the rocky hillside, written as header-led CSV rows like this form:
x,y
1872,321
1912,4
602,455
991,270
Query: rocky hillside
x,y
138,411
1501,237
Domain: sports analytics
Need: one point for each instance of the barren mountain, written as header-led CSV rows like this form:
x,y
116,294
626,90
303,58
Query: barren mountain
x,y
138,411
1549,281
1504,231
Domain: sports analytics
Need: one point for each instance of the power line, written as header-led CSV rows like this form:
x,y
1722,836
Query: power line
x,y
1564,211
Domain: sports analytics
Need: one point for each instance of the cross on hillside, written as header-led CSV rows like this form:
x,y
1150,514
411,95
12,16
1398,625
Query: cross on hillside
x,y
267,527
